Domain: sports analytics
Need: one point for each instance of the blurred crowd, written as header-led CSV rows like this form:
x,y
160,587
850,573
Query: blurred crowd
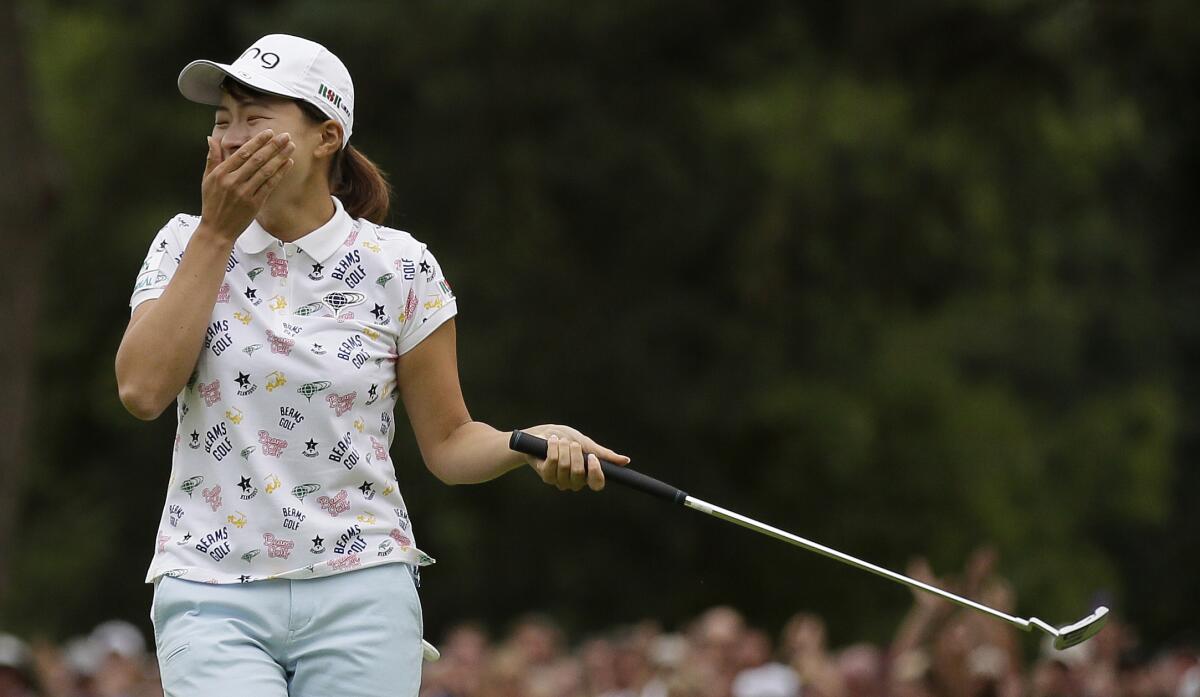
x,y
938,650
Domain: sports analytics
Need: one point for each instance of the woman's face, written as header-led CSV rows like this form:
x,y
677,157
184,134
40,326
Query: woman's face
x,y
240,117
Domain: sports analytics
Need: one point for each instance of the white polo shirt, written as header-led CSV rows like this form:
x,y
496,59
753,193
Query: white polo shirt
x,y
281,465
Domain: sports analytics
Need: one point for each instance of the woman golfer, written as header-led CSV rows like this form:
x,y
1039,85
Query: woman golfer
x,y
287,321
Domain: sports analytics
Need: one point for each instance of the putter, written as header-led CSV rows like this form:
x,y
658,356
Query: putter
x,y
1064,637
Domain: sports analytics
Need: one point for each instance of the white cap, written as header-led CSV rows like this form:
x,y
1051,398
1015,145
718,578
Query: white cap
x,y
280,64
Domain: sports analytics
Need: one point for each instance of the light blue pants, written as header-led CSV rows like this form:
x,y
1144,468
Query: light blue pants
x,y
353,633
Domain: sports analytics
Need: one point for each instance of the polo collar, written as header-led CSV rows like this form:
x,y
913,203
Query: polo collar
x,y
318,244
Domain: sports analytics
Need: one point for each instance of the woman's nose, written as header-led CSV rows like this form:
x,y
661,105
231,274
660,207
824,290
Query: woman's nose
x,y
234,138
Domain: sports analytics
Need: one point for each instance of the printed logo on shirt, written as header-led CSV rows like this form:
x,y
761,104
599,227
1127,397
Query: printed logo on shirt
x,y
344,452
253,273
216,442
249,491
278,302
223,293
407,266
349,561
235,415
195,442
249,556
372,395
176,514
275,380
217,337
211,392
310,448
249,350
232,262
215,544
385,548
318,545
341,403
187,537
272,483
349,269
335,505
302,490
385,422
280,344
368,490
382,281
291,329
189,485
381,451
400,538
243,317
401,517
317,272
213,497
289,417
350,542
245,386
410,306
276,547
309,389
247,451
352,350
279,265
239,520
338,300
318,349
252,295
292,517
310,309
271,445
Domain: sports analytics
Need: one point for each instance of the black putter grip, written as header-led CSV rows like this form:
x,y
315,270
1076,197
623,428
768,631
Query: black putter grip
x,y
532,445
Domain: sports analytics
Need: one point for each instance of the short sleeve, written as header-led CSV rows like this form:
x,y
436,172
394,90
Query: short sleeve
x,y
159,266
428,303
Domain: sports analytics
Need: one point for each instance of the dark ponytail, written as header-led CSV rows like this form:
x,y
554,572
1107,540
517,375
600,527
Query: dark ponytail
x,y
360,185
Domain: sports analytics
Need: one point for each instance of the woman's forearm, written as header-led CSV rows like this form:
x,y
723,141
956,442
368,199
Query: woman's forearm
x,y
475,452
159,352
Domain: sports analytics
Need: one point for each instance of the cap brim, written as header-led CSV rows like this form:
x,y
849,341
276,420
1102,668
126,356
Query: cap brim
x,y
200,81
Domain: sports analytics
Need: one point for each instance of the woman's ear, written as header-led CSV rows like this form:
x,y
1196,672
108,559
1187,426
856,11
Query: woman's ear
x,y
331,139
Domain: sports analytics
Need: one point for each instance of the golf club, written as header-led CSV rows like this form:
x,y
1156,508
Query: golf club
x,y
1064,637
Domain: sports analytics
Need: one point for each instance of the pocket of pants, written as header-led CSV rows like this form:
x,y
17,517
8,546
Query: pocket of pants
x,y
174,654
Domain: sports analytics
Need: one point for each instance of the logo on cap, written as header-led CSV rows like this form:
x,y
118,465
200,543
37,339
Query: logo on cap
x,y
333,98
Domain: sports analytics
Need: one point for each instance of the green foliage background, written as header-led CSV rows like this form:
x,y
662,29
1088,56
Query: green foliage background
x,y
904,278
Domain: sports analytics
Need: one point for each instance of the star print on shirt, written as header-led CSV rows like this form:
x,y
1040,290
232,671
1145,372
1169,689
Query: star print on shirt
x,y
317,268
317,541
424,266
366,488
244,482
195,435
378,312
310,443
251,293
244,578
243,379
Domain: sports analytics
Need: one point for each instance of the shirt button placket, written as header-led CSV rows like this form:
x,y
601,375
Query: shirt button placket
x,y
289,250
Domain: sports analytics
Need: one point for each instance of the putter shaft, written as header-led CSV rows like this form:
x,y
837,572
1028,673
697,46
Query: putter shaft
x,y
1064,637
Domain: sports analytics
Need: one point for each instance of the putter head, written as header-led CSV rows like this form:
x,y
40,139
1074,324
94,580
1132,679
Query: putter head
x,y
1074,634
